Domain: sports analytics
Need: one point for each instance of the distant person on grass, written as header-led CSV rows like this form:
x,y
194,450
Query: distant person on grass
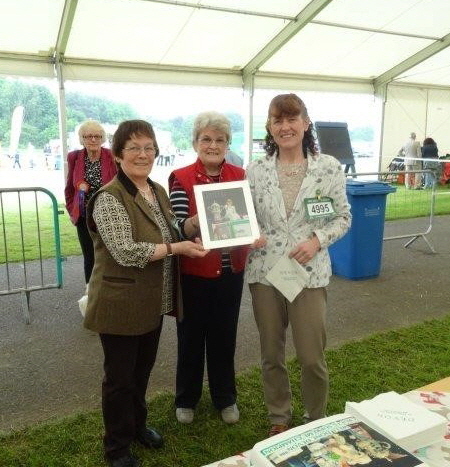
x,y
17,160
430,151
411,152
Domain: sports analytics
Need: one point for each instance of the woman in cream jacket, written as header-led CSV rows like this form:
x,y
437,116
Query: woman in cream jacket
x,y
301,207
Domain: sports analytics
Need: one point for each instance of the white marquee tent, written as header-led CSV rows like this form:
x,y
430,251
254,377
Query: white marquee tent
x,y
397,50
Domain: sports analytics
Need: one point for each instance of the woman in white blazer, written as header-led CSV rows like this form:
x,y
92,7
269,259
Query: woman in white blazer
x,y
302,208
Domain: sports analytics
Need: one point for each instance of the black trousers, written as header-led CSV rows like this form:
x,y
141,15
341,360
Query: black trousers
x,y
127,366
208,328
87,247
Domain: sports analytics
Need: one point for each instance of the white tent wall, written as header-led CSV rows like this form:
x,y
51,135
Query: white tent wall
x,y
425,111
320,45
437,124
405,111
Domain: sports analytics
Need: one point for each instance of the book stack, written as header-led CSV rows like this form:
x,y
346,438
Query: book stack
x,y
339,440
389,430
395,416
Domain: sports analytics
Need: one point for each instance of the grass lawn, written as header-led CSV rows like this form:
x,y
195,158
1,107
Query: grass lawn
x,y
400,205
399,360
38,235
405,204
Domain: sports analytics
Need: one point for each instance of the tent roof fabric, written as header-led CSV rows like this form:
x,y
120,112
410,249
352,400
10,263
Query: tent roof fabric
x,y
362,43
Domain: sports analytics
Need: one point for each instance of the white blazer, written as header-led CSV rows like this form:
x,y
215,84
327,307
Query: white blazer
x,y
324,176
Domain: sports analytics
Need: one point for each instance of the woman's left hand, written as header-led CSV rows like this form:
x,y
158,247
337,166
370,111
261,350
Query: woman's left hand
x,y
305,251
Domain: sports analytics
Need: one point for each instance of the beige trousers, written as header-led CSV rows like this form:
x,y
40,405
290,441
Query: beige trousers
x,y
306,315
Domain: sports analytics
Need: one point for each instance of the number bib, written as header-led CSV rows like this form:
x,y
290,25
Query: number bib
x,y
319,207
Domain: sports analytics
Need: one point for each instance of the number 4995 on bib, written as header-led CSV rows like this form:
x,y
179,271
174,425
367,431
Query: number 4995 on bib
x,y
319,207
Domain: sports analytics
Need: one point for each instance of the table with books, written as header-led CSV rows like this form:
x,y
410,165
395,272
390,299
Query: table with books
x,y
392,430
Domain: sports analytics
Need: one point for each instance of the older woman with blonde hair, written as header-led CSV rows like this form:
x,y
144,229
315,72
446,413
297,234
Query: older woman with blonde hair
x,y
211,286
89,169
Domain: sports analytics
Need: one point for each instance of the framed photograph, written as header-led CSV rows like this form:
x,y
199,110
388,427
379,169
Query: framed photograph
x,y
226,214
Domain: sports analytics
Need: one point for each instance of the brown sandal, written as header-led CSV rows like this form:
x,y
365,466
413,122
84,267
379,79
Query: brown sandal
x,y
277,429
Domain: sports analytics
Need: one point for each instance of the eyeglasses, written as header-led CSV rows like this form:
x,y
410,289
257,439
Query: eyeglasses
x,y
207,141
136,150
94,137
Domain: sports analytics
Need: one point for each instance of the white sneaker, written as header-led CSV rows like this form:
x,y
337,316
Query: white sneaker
x,y
230,414
184,415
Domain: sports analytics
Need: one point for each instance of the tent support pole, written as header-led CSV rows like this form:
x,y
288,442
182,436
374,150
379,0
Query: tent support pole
x,y
381,93
62,115
248,81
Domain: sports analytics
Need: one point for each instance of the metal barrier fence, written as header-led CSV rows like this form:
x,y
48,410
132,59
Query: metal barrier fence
x,y
29,230
407,203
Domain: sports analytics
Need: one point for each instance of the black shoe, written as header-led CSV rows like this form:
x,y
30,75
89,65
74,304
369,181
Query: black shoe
x,y
124,461
150,438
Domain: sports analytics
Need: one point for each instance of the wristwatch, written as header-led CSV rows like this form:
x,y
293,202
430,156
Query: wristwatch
x,y
169,249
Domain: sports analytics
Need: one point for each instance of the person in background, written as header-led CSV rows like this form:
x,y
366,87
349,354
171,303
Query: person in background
x,y
17,160
212,286
232,158
430,151
88,169
47,155
289,185
134,283
411,152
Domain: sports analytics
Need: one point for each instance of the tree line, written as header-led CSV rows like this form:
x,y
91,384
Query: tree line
x,y
40,120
